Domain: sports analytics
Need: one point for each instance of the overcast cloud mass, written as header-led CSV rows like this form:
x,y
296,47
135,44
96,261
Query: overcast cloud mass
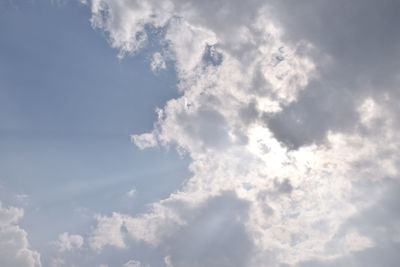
x,y
287,112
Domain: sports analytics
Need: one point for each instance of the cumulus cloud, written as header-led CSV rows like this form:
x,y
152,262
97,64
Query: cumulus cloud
x,y
108,232
356,51
289,118
67,242
14,245
213,233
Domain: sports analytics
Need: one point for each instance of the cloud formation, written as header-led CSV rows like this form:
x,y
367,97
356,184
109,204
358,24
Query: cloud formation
x,y
132,263
67,242
108,232
14,245
289,117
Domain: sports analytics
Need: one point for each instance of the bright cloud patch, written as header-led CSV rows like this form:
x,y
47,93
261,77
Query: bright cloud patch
x,y
108,232
287,151
67,242
132,263
14,245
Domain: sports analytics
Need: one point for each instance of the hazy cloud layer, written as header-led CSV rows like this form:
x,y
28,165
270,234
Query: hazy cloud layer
x,y
288,112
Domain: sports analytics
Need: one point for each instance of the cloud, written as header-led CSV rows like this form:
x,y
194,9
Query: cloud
x,y
58,262
158,62
132,263
14,245
287,109
67,242
356,51
379,223
214,235
211,233
108,232
131,192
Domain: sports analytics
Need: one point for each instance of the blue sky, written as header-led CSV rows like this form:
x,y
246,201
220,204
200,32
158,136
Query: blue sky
x,y
68,108
199,133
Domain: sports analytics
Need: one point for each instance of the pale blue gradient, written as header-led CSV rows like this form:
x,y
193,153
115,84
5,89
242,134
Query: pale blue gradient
x,y
67,108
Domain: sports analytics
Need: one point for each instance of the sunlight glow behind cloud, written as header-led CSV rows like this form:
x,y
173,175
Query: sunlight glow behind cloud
x,y
288,113
232,120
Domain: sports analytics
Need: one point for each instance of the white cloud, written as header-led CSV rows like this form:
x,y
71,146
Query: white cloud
x,y
167,261
67,242
131,192
355,242
14,245
145,140
132,263
259,120
108,232
158,62
126,21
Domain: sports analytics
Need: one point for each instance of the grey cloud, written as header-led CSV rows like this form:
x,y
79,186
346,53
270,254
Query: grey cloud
x,y
320,108
284,187
207,125
212,56
357,52
249,113
227,18
260,86
378,223
222,15
214,235
348,40
386,256
361,36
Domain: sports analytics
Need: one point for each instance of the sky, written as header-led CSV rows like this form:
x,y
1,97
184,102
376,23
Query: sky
x,y
199,133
